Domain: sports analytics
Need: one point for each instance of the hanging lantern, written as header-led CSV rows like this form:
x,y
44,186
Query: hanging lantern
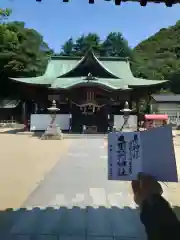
x,y
117,2
169,3
143,3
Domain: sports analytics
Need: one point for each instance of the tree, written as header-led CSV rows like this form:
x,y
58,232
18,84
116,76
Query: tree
x,y
84,43
23,52
158,57
81,45
68,48
116,46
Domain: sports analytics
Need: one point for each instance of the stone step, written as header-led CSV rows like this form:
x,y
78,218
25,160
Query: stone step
x,y
85,136
67,135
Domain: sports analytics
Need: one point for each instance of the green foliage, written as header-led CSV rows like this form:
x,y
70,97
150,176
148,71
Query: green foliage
x,y
158,57
84,43
68,47
114,46
22,51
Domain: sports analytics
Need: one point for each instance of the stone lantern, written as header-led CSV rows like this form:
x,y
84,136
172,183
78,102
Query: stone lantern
x,y
53,131
127,111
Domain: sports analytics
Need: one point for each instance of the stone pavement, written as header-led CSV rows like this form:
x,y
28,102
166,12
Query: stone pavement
x,y
75,201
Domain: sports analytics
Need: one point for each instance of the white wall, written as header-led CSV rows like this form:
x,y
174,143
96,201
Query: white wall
x,y
168,108
119,120
40,122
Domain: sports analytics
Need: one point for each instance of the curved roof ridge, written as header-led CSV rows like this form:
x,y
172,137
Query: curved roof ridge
x,y
78,64
103,66
96,59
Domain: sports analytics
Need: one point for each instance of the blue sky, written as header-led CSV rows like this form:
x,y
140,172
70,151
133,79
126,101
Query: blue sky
x,y
57,21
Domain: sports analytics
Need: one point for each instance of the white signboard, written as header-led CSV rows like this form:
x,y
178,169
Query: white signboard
x,y
119,120
150,152
39,122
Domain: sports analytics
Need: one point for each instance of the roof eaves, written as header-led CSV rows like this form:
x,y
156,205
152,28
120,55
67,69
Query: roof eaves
x,y
34,80
146,84
166,97
83,82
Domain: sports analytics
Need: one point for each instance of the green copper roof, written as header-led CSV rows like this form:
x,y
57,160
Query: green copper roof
x,y
119,67
122,70
58,67
65,83
60,71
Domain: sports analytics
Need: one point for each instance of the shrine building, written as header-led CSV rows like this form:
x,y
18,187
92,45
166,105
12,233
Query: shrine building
x,y
89,91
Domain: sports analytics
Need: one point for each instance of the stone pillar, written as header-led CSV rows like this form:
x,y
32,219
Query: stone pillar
x,y
35,107
110,120
24,116
70,122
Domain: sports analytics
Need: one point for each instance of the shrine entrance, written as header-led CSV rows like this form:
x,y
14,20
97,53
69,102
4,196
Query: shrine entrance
x,y
89,119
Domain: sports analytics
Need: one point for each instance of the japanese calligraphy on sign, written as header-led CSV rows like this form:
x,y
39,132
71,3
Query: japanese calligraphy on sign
x,y
132,152
123,150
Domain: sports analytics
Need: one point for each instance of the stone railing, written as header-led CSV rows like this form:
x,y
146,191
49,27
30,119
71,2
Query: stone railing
x,y
175,120
8,123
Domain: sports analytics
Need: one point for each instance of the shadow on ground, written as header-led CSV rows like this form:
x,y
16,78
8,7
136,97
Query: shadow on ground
x,y
71,224
12,130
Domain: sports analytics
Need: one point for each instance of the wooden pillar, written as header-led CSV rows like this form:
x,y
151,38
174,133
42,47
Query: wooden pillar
x,y
130,102
138,113
149,104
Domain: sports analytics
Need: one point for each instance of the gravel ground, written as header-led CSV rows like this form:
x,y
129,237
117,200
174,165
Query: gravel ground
x,y
24,162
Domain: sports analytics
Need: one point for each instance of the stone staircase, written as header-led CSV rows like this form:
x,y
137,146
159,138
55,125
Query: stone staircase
x,y
51,224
